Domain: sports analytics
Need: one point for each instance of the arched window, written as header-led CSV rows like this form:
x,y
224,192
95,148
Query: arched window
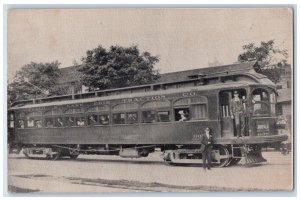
x,y
74,111
189,101
156,111
54,118
34,119
99,108
261,102
53,112
125,113
125,107
156,104
193,108
98,115
73,117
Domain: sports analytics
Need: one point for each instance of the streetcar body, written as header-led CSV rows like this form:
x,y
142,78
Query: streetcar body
x,y
111,122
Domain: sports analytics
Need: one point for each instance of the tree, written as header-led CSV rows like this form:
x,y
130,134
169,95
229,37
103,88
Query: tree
x,y
270,59
35,80
118,67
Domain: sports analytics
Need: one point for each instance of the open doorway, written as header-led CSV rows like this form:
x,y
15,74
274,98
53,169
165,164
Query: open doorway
x,y
233,112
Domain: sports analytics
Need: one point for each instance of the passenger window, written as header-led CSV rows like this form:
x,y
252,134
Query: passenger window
x,y
38,123
11,121
80,121
182,114
261,108
49,122
198,111
163,116
30,123
11,124
261,102
104,119
119,118
92,119
59,122
148,117
20,124
70,121
132,117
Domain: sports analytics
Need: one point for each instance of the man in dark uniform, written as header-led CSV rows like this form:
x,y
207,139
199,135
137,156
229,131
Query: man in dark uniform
x,y
206,141
237,111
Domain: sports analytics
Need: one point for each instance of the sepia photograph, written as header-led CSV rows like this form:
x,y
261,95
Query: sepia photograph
x,y
114,100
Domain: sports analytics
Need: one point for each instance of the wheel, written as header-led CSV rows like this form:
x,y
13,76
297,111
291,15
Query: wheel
x,y
74,156
224,157
73,153
54,155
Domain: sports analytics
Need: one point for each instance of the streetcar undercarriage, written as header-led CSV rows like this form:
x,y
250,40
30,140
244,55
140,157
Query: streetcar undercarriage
x,y
222,155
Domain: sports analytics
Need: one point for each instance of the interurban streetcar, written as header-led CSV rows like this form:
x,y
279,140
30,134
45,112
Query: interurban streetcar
x,y
135,121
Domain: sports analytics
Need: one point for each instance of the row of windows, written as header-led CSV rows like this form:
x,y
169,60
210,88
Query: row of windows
x,y
193,112
119,107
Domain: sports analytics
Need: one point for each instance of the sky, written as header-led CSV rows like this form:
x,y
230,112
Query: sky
x,y
182,38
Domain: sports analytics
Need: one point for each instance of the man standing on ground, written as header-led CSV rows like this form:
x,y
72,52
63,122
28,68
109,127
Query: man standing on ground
x,y
206,141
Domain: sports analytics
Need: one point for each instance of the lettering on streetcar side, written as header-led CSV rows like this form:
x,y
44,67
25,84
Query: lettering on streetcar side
x,y
189,94
139,99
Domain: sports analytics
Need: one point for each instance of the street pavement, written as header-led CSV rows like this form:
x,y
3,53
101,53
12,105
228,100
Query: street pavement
x,y
111,174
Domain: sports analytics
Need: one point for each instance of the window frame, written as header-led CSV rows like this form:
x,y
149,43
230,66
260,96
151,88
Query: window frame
x,y
88,115
124,111
118,113
266,102
190,106
109,119
98,112
34,118
156,110
19,118
53,116
74,114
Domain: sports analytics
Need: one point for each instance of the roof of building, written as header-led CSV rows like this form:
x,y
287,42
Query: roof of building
x,y
71,74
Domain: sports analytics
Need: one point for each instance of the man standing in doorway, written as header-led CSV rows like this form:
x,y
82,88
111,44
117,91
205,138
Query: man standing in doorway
x,y
237,111
206,141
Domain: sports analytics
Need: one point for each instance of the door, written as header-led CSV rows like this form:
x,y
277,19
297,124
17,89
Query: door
x,y
227,128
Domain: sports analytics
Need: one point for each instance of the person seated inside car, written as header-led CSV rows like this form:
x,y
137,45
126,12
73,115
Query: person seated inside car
x,y
183,115
80,122
92,120
104,119
49,124
60,122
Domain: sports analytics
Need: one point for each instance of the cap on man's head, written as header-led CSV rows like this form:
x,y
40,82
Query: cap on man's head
x,y
207,129
235,92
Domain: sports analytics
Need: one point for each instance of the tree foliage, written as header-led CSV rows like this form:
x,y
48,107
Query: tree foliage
x,y
35,80
270,59
117,67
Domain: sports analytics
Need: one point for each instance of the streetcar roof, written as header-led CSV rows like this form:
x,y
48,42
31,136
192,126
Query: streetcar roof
x,y
141,94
